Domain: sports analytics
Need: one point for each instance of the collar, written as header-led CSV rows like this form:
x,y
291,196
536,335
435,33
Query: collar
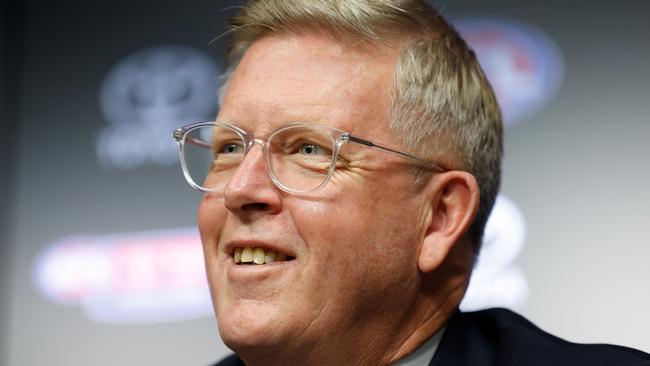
x,y
424,354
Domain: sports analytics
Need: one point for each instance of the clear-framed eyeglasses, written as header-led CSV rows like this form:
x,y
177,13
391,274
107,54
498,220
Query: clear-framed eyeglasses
x,y
300,157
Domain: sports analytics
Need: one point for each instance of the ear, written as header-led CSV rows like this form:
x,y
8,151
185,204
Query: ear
x,y
454,199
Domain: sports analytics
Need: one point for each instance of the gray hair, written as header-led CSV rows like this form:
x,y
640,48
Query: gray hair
x,y
442,104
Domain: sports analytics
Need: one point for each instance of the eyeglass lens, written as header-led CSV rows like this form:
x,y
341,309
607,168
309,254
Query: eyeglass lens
x,y
300,158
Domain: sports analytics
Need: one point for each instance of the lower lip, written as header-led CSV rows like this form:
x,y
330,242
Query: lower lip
x,y
257,272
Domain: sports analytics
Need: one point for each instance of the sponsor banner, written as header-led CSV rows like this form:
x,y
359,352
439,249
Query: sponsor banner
x,y
152,276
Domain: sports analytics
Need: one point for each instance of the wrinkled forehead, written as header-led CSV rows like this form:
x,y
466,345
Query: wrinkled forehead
x,y
307,77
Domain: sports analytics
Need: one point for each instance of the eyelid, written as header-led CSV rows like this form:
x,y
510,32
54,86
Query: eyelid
x,y
302,141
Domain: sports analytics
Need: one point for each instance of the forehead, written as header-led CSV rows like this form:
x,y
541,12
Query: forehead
x,y
307,77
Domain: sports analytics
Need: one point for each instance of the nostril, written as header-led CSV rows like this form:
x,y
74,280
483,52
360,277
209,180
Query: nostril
x,y
256,206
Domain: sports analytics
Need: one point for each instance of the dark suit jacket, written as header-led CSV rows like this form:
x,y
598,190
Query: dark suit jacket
x,y
499,337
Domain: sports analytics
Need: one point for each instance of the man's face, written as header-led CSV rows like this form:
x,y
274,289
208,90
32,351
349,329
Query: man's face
x,y
352,245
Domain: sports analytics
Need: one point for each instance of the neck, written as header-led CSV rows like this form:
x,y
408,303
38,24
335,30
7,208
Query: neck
x,y
431,319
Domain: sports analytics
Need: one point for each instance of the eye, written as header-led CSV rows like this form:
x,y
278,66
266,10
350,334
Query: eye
x,y
230,148
312,149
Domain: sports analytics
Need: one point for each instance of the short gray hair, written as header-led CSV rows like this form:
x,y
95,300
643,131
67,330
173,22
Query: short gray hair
x,y
442,104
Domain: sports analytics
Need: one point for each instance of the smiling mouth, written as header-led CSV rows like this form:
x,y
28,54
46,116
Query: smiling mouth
x,y
258,256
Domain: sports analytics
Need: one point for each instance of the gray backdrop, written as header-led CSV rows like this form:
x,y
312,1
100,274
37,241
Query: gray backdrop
x,y
577,170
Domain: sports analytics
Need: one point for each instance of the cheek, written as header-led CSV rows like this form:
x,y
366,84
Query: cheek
x,y
210,208
323,224
211,217
359,253
351,235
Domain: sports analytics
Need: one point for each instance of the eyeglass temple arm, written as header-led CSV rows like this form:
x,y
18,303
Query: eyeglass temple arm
x,y
178,136
425,163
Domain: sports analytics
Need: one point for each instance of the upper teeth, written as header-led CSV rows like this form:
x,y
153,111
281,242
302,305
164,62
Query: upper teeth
x,y
257,255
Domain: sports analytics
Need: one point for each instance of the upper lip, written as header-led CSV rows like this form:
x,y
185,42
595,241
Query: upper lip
x,y
252,243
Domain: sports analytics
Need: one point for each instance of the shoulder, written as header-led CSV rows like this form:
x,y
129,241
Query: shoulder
x,y
501,337
231,360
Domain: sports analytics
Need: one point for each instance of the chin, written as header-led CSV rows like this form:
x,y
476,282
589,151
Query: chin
x,y
251,326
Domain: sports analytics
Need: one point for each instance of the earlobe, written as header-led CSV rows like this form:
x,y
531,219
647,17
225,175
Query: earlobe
x,y
454,201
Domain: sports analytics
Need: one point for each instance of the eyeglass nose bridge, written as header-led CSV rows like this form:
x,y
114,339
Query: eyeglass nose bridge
x,y
249,142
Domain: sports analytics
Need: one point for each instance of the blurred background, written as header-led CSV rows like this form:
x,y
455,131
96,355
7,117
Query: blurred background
x,y
100,261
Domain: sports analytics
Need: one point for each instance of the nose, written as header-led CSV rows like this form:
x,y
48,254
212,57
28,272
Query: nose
x,y
250,191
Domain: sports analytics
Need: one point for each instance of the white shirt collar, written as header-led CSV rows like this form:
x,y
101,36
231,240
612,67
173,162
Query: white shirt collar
x,y
424,354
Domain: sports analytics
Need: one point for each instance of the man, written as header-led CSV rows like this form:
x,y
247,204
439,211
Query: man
x,y
348,179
